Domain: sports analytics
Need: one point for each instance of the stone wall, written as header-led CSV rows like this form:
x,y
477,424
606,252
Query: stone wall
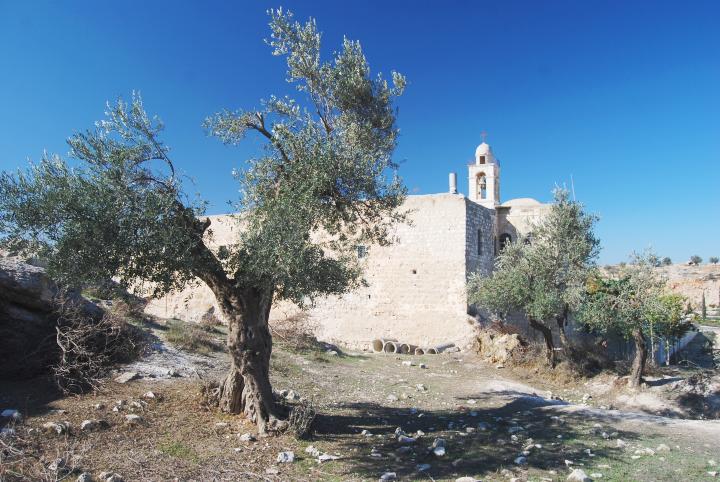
x,y
416,286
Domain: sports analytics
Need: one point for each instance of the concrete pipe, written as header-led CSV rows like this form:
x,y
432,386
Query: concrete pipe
x,y
378,344
407,349
431,351
439,349
390,347
419,351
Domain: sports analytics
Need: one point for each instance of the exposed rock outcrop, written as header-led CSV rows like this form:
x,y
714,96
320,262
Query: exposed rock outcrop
x,y
497,347
28,317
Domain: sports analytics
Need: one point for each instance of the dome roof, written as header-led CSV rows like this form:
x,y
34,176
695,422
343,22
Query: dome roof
x,y
522,201
484,150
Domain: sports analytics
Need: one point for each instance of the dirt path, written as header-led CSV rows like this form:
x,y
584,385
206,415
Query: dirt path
x,y
493,427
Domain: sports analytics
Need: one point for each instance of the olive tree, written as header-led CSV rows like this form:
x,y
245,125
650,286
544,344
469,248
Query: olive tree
x,y
544,278
323,182
626,303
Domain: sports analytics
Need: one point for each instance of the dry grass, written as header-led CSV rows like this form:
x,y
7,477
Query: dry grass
x,y
193,337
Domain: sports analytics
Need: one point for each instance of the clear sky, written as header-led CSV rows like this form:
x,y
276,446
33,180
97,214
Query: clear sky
x,y
623,96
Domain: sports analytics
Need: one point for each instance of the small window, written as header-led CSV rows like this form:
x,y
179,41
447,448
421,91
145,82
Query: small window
x,y
361,251
482,159
479,243
505,239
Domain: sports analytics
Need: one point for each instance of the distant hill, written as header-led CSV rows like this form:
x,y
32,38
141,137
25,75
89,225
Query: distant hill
x,y
691,281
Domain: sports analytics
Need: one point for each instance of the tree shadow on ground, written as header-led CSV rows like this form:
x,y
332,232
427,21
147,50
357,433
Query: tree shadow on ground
x,y
479,442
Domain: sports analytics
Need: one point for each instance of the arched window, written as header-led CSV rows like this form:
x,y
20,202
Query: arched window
x,y
479,242
481,186
505,239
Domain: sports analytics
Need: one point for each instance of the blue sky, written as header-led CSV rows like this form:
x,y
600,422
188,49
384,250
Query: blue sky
x,y
622,96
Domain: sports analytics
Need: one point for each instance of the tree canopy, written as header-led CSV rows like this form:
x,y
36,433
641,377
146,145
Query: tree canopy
x,y
323,182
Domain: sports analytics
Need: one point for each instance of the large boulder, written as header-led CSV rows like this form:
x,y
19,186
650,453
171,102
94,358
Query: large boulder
x,y
497,347
28,316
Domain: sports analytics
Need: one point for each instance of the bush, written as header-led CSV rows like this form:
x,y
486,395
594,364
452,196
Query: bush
x,y
302,417
667,261
89,349
714,259
695,259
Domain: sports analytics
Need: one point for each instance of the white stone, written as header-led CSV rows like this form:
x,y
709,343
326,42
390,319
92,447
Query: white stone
x,y
84,477
578,475
247,437
388,476
327,458
126,377
133,419
521,460
423,467
286,457
11,413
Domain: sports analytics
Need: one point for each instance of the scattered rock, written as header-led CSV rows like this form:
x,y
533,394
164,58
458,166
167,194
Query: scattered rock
x,y
221,425
272,471
467,479
292,395
408,363
286,457
110,477
578,475
388,476
662,448
404,439
11,414
422,365
90,425
326,458
423,467
332,353
99,406
247,437
366,433
84,477
56,465
586,397
521,460
133,419
126,377
150,395
310,449
620,443
438,447
421,387
712,473
392,398
58,427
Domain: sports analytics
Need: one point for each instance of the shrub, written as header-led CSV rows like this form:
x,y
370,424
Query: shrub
x,y
302,417
89,348
667,261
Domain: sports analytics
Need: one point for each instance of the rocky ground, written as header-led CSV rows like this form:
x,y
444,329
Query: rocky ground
x,y
441,417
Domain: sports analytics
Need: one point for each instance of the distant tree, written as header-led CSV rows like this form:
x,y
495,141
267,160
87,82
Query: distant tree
x,y
545,280
668,323
120,211
714,259
624,304
655,260
695,259
666,261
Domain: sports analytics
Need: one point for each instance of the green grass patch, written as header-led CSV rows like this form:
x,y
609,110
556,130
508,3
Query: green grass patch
x,y
179,450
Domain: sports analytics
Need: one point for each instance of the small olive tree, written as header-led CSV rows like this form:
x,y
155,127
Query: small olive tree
x,y
544,278
626,303
326,167
714,259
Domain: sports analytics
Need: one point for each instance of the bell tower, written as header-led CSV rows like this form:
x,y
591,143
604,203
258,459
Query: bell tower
x,y
484,177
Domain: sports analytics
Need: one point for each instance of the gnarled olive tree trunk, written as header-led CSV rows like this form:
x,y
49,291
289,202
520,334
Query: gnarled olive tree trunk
x,y
641,353
246,389
547,335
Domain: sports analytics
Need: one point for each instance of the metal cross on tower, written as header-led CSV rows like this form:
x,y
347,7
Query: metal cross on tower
x,y
483,134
